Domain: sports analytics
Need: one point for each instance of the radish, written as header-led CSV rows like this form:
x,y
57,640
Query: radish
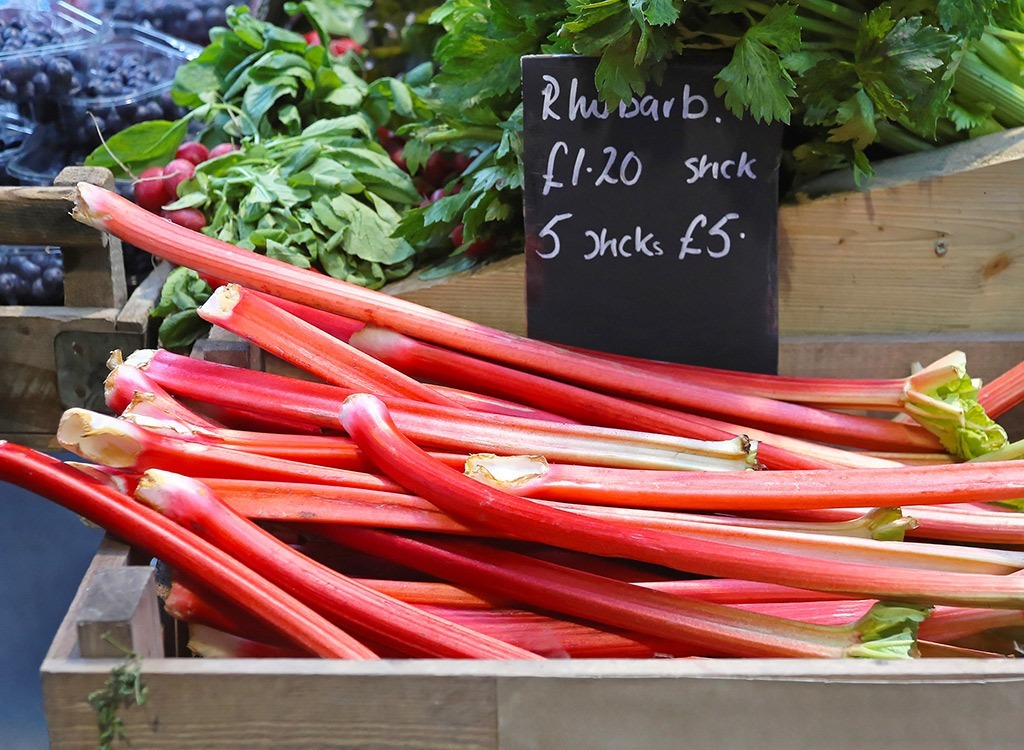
x,y
149,190
192,151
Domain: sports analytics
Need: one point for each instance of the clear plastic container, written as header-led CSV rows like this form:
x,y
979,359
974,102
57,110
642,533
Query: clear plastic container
x,y
189,20
14,131
40,47
122,82
31,276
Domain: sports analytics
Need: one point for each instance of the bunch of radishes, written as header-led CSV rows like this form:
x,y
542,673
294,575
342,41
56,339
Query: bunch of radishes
x,y
157,186
439,176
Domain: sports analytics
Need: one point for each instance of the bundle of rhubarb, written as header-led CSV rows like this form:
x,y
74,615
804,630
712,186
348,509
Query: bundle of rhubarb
x,y
437,488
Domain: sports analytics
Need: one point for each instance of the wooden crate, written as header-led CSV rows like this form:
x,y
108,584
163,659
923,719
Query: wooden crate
x,y
924,261
314,704
52,358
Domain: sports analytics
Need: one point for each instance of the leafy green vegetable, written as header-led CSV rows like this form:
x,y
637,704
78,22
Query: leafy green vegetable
x,y
181,295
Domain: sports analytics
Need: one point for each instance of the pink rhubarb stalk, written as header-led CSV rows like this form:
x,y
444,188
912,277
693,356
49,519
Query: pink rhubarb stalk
x,y
221,573
366,419
437,364
296,503
437,427
365,611
552,587
302,344
534,477
107,211
119,444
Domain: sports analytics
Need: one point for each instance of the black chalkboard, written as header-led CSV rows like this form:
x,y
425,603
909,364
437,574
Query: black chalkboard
x,y
650,227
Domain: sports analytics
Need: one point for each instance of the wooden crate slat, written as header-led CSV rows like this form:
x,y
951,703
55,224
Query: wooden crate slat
x,y
441,704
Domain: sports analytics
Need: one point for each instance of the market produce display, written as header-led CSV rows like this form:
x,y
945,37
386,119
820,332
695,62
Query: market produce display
x,y
548,529
434,488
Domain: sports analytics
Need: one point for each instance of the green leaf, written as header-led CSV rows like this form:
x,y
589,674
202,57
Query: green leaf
x,y
179,330
966,18
901,64
756,79
856,117
658,12
145,144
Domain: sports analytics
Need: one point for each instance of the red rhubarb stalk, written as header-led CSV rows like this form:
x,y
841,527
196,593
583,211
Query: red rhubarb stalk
x,y
210,643
378,617
433,426
938,522
437,364
552,587
720,590
147,529
1004,392
295,503
120,444
302,344
534,477
107,211
366,419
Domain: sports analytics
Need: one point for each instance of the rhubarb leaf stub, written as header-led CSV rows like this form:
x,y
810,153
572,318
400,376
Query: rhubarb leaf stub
x,y
889,631
943,398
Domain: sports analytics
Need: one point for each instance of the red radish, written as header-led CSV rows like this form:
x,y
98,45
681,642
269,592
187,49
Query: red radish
x,y
175,173
437,168
460,163
340,46
190,218
149,189
223,148
312,37
456,236
192,151
389,140
398,157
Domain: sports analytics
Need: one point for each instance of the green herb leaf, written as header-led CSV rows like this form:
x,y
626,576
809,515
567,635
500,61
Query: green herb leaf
x,y
144,145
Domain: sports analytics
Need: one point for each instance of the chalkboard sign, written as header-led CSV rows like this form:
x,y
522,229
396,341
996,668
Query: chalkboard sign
x,y
651,226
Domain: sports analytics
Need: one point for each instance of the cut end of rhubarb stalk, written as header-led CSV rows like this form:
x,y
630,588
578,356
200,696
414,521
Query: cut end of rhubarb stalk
x,y
140,358
505,471
98,438
889,631
91,206
943,399
220,304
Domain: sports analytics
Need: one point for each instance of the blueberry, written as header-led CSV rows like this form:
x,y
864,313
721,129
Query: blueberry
x,y
25,268
41,81
8,90
8,288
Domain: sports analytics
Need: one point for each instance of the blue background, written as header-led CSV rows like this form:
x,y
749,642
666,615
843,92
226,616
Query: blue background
x,y
44,551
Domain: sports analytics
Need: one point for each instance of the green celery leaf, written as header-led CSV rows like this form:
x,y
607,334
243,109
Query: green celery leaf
x,y
756,79
856,117
658,12
966,18
901,65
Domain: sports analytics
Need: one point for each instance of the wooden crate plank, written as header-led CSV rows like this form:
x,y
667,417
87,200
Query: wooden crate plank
x,y
119,614
274,704
493,294
29,400
31,215
753,705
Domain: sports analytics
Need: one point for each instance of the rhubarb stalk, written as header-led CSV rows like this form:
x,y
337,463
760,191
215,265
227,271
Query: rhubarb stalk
x,y
366,419
725,630
107,211
148,530
378,617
